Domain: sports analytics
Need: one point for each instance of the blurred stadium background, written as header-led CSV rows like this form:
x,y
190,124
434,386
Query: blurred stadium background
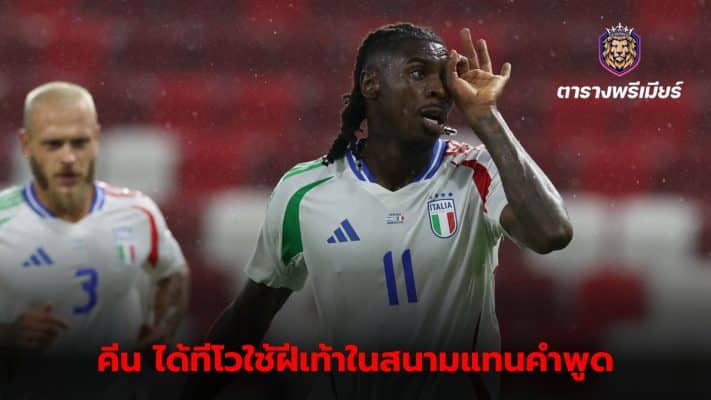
x,y
205,104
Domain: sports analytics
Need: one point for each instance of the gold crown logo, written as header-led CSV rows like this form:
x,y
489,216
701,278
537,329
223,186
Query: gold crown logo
x,y
619,30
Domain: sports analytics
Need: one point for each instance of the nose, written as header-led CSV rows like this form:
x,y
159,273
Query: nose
x,y
68,155
435,88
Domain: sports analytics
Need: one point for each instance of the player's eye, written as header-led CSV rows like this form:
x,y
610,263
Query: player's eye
x,y
79,143
417,74
53,144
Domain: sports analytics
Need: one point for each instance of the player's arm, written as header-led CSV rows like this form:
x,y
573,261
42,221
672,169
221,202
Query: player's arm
x,y
245,321
170,279
535,215
171,300
34,329
170,306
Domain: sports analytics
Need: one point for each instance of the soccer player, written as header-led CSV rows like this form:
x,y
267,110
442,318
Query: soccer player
x,y
399,232
82,264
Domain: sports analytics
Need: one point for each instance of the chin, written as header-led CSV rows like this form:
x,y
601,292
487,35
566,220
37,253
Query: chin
x,y
429,135
68,191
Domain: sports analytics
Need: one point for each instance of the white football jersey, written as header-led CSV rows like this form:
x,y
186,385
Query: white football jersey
x,y
97,272
409,270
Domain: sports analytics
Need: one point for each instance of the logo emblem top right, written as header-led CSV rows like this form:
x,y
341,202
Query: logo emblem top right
x,y
619,49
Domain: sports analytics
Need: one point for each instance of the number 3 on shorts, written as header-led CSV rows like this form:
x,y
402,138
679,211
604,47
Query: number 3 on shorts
x,y
89,287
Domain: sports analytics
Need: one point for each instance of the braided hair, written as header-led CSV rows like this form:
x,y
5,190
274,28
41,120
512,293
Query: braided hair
x,y
353,112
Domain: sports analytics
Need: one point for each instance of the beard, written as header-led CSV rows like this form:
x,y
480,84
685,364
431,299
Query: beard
x,y
64,202
40,176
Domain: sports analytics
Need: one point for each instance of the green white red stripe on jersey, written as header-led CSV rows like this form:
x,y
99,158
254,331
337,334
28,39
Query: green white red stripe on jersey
x,y
127,253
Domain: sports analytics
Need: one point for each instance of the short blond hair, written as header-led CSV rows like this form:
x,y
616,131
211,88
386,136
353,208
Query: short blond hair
x,y
63,92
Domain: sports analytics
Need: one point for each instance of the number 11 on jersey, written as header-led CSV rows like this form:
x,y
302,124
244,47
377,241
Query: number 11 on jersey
x,y
390,277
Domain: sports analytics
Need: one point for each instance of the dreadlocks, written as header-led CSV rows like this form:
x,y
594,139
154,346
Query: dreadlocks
x,y
353,112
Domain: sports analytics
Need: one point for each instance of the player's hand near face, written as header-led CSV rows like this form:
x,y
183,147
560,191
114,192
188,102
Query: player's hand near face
x,y
470,78
35,329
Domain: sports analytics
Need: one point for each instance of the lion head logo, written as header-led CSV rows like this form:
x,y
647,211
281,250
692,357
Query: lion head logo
x,y
619,49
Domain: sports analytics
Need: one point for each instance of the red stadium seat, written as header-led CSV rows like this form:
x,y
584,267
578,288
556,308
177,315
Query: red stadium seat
x,y
91,80
19,42
663,130
7,146
40,7
14,86
611,294
191,101
124,97
266,103
571,119
272,15
210,293
688,173
524,301
571,134
234,157
612,152
660,19
617,168
212,162
182,214
82,49
165,45
136,8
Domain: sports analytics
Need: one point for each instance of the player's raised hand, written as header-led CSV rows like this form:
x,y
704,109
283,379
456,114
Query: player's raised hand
x,y
35,329
470,78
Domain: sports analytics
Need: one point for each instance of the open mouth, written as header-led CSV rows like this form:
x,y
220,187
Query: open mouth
x,y
435,114
434,118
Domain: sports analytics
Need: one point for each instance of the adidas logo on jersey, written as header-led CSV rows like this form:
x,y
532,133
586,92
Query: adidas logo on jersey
x,y
344,233
38,259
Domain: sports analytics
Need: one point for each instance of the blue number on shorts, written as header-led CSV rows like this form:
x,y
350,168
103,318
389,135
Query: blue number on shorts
x,y
90,287
390,277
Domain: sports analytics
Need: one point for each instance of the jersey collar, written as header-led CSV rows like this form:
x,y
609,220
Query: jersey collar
x,y
97,202
30,196
364,174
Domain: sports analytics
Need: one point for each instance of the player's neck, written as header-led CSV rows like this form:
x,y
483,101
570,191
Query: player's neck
x,y
66,208
395,163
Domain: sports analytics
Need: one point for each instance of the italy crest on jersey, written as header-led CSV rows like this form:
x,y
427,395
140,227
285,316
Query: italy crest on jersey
x,y
443,217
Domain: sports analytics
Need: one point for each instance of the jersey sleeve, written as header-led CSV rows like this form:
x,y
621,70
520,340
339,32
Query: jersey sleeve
x,y
489,187
276,262
165,256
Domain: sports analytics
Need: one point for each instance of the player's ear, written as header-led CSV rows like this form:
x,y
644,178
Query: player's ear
x,y
97,131
25,142
369,84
